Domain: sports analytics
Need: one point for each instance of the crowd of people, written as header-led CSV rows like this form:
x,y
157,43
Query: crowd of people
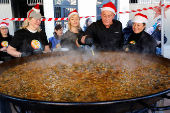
x,y
105,34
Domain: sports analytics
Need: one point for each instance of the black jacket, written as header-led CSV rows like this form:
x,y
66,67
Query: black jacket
x,y
144,43
106,38
4,56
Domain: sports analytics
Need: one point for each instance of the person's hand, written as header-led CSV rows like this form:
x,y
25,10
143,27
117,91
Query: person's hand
x,y
24,54
4,49
83,39
158,42
89,40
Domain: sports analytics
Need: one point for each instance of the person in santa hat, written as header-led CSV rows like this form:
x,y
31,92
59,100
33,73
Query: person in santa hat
x,y
30,39
106,33
5,39
140,41
70,38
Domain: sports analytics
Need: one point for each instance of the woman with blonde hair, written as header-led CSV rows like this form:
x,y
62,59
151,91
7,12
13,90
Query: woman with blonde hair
x,y
70,38
30,39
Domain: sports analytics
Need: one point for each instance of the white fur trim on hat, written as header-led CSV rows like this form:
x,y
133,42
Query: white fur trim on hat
x,y
140,19
73,14
3,25
108,8
36,10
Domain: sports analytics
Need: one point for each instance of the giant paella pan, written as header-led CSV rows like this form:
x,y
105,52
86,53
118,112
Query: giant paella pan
x,y
78,82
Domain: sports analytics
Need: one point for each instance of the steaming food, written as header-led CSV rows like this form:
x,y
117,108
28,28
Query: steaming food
x,y
76,79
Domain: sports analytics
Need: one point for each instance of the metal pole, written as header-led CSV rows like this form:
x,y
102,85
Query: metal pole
x,y
162,28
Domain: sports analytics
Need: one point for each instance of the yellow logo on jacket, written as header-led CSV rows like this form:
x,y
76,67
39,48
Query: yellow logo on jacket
x,y
4,44
132,42
35,44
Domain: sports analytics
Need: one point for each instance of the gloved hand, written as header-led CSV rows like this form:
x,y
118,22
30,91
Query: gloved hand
x,y
131,48
89,40
24,54
37,51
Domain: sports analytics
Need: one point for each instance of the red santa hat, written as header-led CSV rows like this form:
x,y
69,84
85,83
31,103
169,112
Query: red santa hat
x,y
109,6
140,18
72,13
34,12
4,24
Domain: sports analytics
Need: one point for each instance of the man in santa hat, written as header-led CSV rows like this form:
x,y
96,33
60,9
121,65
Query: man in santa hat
x,y
106,33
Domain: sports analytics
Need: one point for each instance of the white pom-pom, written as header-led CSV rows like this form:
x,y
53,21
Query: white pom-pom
x,y
36,10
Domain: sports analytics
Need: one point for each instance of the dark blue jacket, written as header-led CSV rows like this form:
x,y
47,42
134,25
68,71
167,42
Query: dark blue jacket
x,y
127,31
54,41
157,36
